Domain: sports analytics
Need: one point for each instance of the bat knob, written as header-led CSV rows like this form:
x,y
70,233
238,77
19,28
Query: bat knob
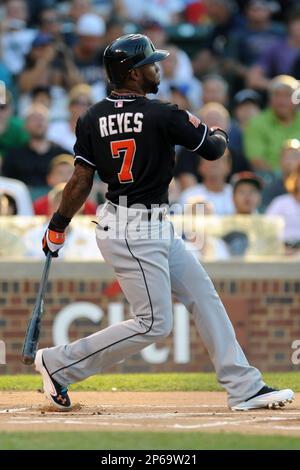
x,y
28,360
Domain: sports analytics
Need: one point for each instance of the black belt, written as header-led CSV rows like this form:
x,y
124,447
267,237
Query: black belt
x,y
144,215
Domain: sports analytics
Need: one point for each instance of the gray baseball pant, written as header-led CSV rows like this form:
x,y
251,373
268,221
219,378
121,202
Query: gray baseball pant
x,y
151,263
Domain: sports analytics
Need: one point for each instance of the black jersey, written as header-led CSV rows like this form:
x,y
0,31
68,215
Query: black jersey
x,y
130,142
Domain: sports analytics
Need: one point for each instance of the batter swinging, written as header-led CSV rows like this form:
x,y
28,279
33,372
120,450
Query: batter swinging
x,y
129,140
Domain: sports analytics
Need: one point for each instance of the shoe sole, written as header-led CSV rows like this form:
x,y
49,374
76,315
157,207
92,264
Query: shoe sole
x,y
271,401
47,382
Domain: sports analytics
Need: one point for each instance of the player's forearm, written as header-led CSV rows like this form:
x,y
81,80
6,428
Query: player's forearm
x,y
76,191
213,147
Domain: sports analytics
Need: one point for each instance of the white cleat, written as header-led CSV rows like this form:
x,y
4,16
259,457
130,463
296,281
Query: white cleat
x,y
266,398
56,393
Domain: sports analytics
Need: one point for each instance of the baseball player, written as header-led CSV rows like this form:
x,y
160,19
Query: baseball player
x,y
129,140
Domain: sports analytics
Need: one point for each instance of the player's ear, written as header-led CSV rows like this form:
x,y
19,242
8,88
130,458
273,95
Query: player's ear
x,y
135,74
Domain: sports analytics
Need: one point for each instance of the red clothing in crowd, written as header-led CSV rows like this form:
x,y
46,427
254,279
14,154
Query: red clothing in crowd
x,y
41,206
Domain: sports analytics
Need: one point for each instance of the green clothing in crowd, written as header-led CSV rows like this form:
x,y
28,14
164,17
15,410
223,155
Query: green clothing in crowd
x,y
15,135
265,136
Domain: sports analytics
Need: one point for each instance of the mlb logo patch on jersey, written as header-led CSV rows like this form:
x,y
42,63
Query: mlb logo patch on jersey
x,y
193,119
119,104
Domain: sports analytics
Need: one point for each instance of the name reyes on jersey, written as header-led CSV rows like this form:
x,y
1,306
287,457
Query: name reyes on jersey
x,y
120,123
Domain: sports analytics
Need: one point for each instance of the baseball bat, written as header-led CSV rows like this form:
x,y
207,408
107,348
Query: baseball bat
x,y
33,329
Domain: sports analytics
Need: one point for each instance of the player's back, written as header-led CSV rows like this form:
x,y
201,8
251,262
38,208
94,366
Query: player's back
x,y
128,143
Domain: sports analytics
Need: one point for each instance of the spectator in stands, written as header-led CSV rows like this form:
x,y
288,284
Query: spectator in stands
x,y
178,95
186,168
11,246
170,78
214,90
288,207
90,31
246,105
158,35
35,8
289,160
49,22
248,44
63,132
214,114
29,163
213,188
20,194
16,36
42,95
266,132
12,131
79,8
205,63
115,28
226,21
8,204
60,171
247,189
5,75
49,66
167,12
195,11
279,58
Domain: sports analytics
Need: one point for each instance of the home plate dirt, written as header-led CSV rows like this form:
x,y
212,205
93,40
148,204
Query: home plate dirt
x,y
155,411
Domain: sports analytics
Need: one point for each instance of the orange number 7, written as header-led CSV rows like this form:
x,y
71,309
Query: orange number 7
x,y
125,148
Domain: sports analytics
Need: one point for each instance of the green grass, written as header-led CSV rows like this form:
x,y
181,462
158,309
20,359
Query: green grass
x,y
148,382
143,440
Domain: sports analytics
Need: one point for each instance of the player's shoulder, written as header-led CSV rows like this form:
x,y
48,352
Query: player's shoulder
x,y
162,105
160,109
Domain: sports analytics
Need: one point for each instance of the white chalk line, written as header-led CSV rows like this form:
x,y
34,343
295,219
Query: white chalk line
x,y
167,416
233,423
161,406
13,410
284,414
118,421
80,423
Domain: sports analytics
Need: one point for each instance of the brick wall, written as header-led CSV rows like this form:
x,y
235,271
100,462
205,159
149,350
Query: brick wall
x,y
265,313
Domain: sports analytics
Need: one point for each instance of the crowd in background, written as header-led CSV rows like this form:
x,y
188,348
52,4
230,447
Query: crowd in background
x,y
235,64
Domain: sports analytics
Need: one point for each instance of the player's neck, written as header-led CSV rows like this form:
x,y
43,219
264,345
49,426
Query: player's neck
x,y
128,92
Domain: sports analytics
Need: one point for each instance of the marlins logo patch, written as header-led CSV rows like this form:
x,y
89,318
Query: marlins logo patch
x,y
193,119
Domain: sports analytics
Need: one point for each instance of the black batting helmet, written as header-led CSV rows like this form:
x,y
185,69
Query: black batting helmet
x,y
129,52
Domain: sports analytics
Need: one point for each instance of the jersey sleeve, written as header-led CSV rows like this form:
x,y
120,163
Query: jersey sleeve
x,y
82,148
186,129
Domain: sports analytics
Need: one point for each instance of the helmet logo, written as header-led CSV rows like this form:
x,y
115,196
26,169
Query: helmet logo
x,y
139,48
